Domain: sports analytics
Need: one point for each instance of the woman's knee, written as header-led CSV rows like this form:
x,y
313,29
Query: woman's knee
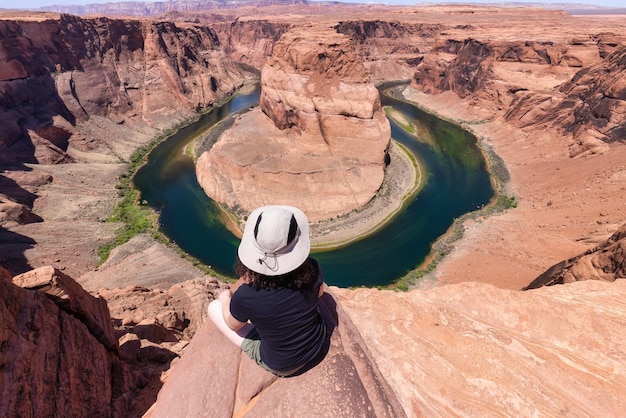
x,y
215,311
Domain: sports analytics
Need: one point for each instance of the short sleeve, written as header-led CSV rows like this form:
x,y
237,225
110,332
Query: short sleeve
x,y
237,304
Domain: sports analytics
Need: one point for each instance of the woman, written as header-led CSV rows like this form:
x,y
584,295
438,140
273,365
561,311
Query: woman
x,y
271,313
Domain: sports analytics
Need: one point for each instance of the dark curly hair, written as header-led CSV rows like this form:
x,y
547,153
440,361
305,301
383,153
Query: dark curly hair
x,y
298,279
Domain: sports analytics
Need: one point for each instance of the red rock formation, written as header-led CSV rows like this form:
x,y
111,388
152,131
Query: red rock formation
x,y
589,103
52,364
468,349
60,354
71,297
390,50
64,69
326,135
471,349
249,41
605,262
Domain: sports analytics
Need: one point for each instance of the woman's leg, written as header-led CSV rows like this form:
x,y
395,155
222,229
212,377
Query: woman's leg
x,y
215,313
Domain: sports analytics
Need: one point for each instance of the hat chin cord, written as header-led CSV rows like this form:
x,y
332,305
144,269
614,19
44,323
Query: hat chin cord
x,y
263,261
284,250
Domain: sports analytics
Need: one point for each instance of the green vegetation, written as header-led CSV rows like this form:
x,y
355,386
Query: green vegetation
x,y
135,218
506,202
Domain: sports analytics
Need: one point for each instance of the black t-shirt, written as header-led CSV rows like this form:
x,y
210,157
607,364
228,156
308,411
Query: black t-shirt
x,y
287,320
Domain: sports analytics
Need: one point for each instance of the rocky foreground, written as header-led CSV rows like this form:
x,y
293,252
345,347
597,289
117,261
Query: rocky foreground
x,y
542,89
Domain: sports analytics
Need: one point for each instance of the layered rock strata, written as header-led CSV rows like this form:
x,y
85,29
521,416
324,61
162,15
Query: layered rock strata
x,y
471,349
77,98
58,359
58,71
320,130
576,85
606,262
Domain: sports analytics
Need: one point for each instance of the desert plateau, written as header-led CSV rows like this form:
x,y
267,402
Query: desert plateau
x,y
519,310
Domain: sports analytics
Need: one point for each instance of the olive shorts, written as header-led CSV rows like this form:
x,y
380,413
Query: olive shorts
x,y
251,346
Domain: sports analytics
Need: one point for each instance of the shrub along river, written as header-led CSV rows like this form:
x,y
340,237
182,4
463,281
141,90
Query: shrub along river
x,y
455,181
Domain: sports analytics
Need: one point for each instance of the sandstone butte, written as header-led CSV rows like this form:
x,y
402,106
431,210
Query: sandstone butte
x,y
320,128
524,316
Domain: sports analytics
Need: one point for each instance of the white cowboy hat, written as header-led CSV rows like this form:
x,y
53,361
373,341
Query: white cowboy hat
x,y
275,240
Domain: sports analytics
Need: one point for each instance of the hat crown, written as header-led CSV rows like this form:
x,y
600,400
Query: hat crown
x,y
275,240
273,229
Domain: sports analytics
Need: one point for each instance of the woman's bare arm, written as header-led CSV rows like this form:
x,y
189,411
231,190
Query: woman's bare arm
x,y
232,323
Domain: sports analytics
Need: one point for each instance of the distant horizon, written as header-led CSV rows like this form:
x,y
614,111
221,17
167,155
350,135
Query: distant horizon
x,y
35,4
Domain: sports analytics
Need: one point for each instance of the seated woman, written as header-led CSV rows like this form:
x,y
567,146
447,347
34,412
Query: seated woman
x,y
272,313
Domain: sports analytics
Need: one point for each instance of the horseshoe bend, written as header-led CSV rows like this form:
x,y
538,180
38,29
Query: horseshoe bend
x,y
521,315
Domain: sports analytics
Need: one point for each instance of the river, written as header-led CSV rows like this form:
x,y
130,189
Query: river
x,y
455,181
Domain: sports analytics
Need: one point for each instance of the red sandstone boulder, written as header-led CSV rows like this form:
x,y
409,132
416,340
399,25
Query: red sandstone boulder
x,y
72,298
51,363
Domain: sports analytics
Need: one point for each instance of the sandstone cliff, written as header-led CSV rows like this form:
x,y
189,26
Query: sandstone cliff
x,y
64,353
606,262
249,41
569,88
58,359
454,350
471,349
322,131
58,71
345,382
390,50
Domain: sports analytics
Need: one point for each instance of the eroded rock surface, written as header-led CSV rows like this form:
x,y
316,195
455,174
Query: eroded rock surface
x,y
66,352
605,262
52,362
472,349
577,85
321,130
60,70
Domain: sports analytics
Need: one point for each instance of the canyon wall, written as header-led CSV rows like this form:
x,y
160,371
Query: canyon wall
x,y
250,42
77,98
576,86
391,49
58,359
66,352
58,71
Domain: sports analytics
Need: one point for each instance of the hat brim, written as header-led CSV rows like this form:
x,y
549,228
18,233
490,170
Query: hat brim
x,y
250,255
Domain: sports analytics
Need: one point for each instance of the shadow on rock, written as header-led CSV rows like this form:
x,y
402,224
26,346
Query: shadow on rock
x,y
12,248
